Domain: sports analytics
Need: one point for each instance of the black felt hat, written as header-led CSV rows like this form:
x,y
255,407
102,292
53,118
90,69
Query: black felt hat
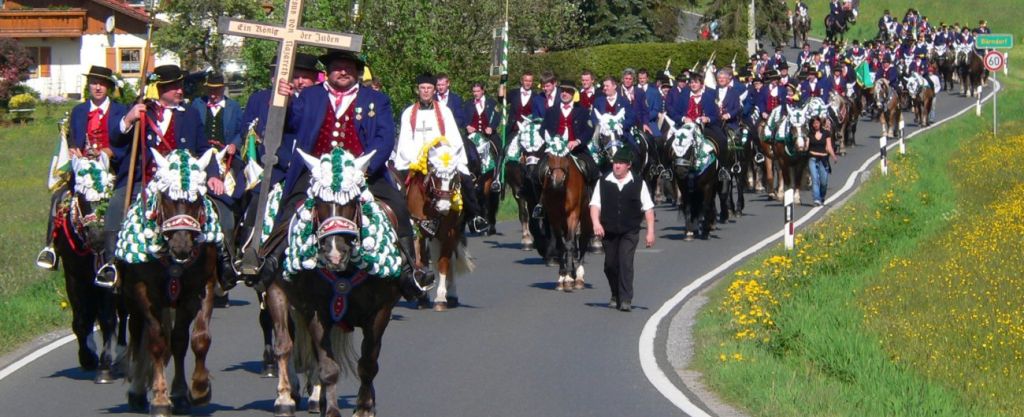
x,y
335,54
567,85
426,78
101,72
166,74
214,80
625,154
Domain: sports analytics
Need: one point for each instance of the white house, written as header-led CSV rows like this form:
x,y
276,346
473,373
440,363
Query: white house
x,y
66,37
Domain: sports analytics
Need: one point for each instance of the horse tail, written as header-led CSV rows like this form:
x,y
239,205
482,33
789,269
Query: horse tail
x,y
302,351
344,350
304,355
463,260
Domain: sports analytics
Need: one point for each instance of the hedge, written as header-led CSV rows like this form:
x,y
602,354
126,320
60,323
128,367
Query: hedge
x,y
612,59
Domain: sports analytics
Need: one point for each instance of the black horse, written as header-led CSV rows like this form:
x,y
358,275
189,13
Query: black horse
x,y
837,25
696,178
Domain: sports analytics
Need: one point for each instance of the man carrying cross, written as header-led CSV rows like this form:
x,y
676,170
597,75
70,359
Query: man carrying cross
x,y
424,121
339,113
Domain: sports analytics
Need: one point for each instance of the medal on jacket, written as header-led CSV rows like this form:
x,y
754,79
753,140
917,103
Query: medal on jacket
x,y
359,113
371,113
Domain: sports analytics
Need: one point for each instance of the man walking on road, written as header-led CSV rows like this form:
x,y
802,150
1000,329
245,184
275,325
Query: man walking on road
x,y
616,208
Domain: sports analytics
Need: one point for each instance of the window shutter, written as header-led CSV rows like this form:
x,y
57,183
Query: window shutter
x,y
112,59
44,61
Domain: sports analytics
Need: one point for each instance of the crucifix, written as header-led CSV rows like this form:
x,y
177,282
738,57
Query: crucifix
x,y
290,36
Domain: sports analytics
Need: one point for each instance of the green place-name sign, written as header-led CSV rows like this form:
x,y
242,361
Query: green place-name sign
x,y
994,41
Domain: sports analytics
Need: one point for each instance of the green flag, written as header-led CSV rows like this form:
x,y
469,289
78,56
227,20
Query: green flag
x,y
865,77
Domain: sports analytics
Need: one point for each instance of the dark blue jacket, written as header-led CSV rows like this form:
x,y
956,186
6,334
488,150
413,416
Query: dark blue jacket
x,y
455,104
515,105
707,104
376,133
731,105
257,108
80,121
188,131
580,123
232,119
639,104
654,104
490,113
820,89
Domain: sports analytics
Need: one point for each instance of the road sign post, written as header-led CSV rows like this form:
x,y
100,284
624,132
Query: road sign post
x,y
995,61
289,37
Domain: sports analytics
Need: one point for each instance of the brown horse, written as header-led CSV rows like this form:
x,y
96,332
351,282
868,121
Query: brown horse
x,y
77,237
564,197
790,151
521,165
800,24
333,295
842,109
889,103
921,96
170,284
436,197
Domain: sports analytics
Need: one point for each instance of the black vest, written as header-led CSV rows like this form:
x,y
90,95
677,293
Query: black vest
x,y
621,211
215,124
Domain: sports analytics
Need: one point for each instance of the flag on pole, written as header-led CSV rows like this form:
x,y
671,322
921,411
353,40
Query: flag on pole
x,y
504,101
60,163
865,77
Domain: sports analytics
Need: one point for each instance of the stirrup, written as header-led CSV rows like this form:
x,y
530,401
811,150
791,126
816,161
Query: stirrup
x,y
495,186
737,168
759,158
105,270
426,276
479,224
723,175
47,259
538,212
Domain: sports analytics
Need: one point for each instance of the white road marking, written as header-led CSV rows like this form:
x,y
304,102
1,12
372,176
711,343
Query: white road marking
x,y
648,360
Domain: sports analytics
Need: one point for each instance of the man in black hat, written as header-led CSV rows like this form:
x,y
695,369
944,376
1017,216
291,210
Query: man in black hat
x,y
571,121
339,113
616,208
421,123
91,128
168,127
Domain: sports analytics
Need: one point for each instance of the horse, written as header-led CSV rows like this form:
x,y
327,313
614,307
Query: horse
x,y
741,149
789,146
887,101
77,237
856,109
841,107
836,27
340,272
168,254
694,171
565,198
800,24
487,195
521,157
945,62
971,70
921,95
434,194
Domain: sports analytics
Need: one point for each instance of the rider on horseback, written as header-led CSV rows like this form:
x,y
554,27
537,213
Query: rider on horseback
x,y
90,135
571,120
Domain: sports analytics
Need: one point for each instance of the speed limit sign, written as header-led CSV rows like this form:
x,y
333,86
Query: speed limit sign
x,y
994,60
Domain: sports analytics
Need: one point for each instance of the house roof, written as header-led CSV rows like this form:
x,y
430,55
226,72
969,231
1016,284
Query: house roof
x,y
131,11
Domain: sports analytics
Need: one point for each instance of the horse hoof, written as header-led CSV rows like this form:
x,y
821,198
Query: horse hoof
x,y
201,400
527,246
104,376
289,410
453,302
137,403
269,370
160,410
440,306
560,286
88,360
312,406
180,406
579,285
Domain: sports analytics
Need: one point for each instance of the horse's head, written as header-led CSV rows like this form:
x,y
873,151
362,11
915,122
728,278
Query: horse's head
x,y
610,132
683,142
443,181
556,167
882,92
798,118
336,193
531,140
181,207
93,187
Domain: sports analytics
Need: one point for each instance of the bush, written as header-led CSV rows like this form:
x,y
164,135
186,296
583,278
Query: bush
x,y
25,89
612,59
22,101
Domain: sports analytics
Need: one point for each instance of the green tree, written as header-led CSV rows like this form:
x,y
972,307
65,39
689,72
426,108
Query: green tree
x,y
403,38
629,21
732,16
14,64
192,30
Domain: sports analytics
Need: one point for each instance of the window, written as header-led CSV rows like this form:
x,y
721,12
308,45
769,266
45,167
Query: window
x,y
33,54
130,61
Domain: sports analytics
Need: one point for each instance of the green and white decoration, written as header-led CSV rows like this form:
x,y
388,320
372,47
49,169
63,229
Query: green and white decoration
x,y
687,136
338,178
93,179
558,145
180,176
528,138
483,148
273,204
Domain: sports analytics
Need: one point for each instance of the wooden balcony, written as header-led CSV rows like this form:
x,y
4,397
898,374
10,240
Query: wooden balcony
x,y
42,23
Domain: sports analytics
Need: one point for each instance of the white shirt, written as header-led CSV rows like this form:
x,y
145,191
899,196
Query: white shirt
x,y
611,101
443,98
104,107
722,91
411,139
645,197
565,111
345,100
550,100
525,95
480,105
216,107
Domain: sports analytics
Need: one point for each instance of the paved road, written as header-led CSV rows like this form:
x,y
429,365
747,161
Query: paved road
x,y
516,348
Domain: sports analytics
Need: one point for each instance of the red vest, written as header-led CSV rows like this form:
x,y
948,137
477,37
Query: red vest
x,y
838,86
525,110
693,111
342,132
97,134
565,125
773,102
479,121
587,101
168,142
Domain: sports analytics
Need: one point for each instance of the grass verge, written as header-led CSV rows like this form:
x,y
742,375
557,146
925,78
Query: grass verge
x,y
903,302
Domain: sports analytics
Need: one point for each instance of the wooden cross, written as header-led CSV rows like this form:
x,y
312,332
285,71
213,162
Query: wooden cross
x,y
290,36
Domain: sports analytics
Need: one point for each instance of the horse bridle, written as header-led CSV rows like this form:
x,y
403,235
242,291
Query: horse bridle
x,y
435,191
180,222
336,224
